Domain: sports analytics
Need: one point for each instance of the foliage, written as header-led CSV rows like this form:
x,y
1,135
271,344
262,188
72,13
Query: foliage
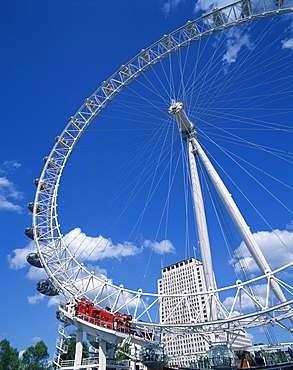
x,y
35,357
119,356
8,356
71,342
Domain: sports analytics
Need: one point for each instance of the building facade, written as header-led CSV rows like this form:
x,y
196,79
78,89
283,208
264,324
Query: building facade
x,y
183,277
187,277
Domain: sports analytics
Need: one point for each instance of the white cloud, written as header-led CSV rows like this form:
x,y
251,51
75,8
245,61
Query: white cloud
x,y
287,44
36,339
89,249
18,261
165,246
11,164
7,185
37,298
235,42
277,247
208,5
249,336
205,6
8,205
54,301
247,303
36,274
100,272
96,248
171,5
7,191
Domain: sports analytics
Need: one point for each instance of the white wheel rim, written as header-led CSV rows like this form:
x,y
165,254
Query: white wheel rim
x,y
59,263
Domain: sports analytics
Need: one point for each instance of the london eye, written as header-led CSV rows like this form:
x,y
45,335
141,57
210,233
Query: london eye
x,y
184,152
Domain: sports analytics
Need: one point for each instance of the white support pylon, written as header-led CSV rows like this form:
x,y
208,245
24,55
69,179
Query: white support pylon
x,y
78,349
102,354
187,127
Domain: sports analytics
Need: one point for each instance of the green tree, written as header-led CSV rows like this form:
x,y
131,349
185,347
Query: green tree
x,y
8,356
35,357
71,343
121,352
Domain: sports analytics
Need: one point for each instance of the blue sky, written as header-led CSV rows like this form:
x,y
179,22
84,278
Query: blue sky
x,y
54,55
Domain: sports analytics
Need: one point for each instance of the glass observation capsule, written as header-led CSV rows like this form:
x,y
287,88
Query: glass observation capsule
x,y
29,232
153,356
221,357
46,287
39,209
51,163
44,186
34,259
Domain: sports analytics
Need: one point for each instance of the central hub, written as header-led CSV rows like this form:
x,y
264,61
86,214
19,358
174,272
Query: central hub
x,y
176,109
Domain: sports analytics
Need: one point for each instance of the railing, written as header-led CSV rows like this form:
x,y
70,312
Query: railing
x,y
106,324
94,361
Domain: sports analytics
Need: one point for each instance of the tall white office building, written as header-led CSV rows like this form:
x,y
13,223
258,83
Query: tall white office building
x,y
186,277
183,277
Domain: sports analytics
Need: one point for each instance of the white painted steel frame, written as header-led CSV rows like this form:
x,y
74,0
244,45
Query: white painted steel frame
x,y
71,276
237,217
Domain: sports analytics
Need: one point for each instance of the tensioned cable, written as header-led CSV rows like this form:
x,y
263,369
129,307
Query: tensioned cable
x,y
247,172
141,149
133,193
236,69
221,215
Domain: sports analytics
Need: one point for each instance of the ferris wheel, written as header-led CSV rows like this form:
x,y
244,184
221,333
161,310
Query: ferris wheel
x,y
203,110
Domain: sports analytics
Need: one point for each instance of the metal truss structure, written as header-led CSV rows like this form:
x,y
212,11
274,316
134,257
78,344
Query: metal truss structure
x,y
73,279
